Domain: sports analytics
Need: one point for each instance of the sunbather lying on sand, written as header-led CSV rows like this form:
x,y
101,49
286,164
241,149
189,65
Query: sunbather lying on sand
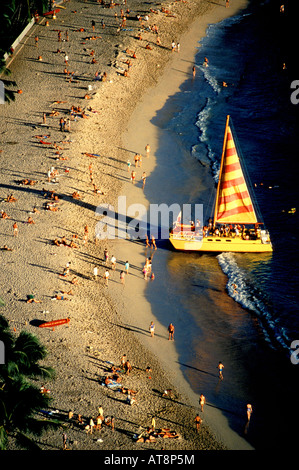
x,y
128,391
10,198
31,299
27,182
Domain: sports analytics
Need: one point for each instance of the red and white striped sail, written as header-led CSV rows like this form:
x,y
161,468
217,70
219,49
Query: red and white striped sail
x,y
233,204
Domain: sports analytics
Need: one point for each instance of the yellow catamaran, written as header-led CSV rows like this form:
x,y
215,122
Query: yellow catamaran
x,y
234,227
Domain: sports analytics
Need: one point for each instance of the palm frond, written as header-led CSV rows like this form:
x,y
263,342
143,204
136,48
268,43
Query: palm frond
x,y
20,399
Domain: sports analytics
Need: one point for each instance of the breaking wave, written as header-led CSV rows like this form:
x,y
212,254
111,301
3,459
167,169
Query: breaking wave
x,y
243,290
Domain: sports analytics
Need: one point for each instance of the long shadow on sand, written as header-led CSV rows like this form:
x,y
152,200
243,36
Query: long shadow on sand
x,y
135,329
195,368
129,221
41,192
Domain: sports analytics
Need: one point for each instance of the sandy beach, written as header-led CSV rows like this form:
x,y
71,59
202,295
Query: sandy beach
x,y
90,168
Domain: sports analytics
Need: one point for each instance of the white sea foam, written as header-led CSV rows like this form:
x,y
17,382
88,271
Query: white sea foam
x,y
209,74
203,120
241,289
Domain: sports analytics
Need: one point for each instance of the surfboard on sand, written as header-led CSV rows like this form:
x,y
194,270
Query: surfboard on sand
x,y
51,12
51,324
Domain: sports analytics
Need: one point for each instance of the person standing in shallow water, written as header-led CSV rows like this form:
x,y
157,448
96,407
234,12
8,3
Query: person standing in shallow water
x,y
249,412
220,368
153,244
143,179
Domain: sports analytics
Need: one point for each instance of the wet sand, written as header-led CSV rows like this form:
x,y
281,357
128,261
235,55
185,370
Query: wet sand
x,y
105,322
143,129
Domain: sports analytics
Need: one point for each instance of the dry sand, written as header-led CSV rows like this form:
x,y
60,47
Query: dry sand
x,y
105,322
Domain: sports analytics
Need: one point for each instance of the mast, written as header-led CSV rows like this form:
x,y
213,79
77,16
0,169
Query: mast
x,y
220,172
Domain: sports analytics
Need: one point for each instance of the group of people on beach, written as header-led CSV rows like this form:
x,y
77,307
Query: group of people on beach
x,y
202,402
138,164
111,264
87,424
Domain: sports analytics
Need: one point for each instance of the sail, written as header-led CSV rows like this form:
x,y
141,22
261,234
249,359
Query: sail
x,y
233,204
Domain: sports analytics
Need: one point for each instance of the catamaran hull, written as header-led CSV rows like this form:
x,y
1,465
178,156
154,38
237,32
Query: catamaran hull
x,y
220,245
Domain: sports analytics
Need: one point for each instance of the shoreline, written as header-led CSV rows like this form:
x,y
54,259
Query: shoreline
x,y
141,131
79,369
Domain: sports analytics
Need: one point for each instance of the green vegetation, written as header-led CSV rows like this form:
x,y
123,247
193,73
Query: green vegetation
x,y
14,16
20,398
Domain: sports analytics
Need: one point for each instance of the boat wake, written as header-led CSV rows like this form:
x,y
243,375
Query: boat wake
x,y
242,289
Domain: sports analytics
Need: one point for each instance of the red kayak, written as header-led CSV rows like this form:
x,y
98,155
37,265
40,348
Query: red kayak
x,y
51,12
51,324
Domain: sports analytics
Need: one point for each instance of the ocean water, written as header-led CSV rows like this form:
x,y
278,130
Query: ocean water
x,y
250,330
